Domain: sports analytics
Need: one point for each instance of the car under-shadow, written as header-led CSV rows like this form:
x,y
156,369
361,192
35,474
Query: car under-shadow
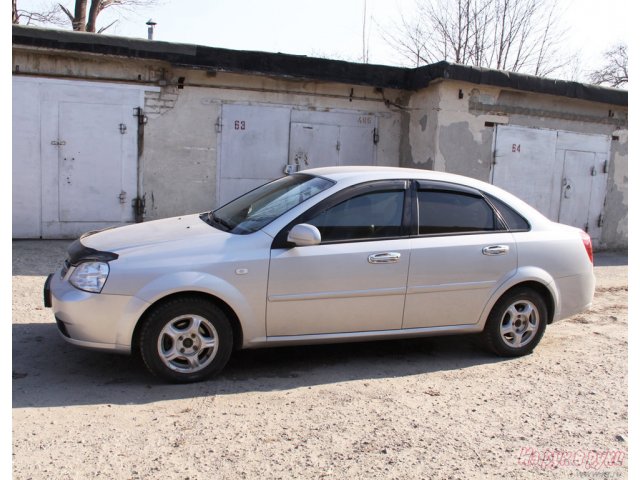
x,y
48,372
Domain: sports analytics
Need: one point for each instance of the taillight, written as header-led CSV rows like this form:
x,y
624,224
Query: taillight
x,y
586,239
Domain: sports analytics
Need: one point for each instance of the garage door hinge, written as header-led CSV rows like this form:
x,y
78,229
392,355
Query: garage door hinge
x,y
142,118
338,146
218,125
123,128
605,167
594,171
586,228
376,136
601,220
58,143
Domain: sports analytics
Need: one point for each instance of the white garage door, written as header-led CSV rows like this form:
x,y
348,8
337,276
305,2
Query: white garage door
x,y
327,139
253,150
74,156
259,141
562,174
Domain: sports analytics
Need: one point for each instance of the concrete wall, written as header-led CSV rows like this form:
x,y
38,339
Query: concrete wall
x,y
444,135
181,146
616,212
451,128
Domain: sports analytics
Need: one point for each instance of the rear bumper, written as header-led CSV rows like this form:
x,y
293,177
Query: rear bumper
x,y
575,294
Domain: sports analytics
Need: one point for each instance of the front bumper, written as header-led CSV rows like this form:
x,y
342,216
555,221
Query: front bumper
x,y
90,320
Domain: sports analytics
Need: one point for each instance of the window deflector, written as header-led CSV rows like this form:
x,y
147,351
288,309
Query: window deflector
x,y
280,241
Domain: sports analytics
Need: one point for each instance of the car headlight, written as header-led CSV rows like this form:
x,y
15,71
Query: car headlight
x,y
90,276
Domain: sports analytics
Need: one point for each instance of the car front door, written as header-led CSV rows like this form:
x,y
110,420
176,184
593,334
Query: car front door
x,y
461,252
355,279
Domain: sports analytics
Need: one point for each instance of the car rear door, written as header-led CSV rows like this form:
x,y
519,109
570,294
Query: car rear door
x,y
460,254
355,279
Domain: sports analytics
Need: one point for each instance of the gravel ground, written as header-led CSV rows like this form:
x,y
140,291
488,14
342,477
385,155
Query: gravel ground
x,y
438,408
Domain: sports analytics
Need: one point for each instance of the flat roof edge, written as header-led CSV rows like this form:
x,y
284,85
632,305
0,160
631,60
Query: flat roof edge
x,y
303,67
422,76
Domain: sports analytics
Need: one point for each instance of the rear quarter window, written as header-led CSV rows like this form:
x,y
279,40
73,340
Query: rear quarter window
x,y
515,222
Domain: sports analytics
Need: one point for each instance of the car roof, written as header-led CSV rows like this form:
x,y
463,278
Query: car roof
x,y
381,173
357,174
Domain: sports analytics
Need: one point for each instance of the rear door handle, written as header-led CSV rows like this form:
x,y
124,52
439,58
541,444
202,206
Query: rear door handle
x,y
387,257
495,250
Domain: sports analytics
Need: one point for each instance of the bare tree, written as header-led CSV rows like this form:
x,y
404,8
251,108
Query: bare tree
x,y
365,38
614,72
515,35
83,16
50,16
86,21
409,38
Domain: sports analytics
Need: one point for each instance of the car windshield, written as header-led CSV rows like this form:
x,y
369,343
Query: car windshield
x,y
257,208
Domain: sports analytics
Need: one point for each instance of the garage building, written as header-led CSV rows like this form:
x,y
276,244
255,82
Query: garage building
x,y
110,130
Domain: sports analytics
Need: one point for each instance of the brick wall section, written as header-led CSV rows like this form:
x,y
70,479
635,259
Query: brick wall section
x,y
158,103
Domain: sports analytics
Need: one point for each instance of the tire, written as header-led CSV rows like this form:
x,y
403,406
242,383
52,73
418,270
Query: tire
x,y
516,323
186,340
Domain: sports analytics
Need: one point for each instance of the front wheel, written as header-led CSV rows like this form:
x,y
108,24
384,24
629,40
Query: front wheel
x,y
186,340
516,323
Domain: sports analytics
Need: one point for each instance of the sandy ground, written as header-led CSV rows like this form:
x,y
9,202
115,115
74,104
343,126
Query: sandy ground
x,y
439,408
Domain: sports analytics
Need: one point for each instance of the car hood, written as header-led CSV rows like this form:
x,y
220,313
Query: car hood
x,y
123,240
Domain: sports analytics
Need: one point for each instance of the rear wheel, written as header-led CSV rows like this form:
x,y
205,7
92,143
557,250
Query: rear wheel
x,y
186,340
516,323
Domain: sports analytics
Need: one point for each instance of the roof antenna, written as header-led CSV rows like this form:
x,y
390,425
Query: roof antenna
x,y
151,25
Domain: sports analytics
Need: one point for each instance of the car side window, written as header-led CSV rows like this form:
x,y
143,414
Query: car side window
x,y
514,220
371,215
448,212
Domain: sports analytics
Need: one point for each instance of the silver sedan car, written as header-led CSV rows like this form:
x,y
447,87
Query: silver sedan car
x,y
324,255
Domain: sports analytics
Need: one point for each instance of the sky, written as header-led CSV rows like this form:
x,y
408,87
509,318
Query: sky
x,y
328,28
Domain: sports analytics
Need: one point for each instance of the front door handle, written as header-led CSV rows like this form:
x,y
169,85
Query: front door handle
x,y
387,257
495,250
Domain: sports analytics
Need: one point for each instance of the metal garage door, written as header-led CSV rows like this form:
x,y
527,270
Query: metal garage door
x,y
326,139
74,156
562,174
97,162
253,149
259,141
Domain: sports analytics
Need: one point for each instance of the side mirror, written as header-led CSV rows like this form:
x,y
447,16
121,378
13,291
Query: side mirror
x,y
303,235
